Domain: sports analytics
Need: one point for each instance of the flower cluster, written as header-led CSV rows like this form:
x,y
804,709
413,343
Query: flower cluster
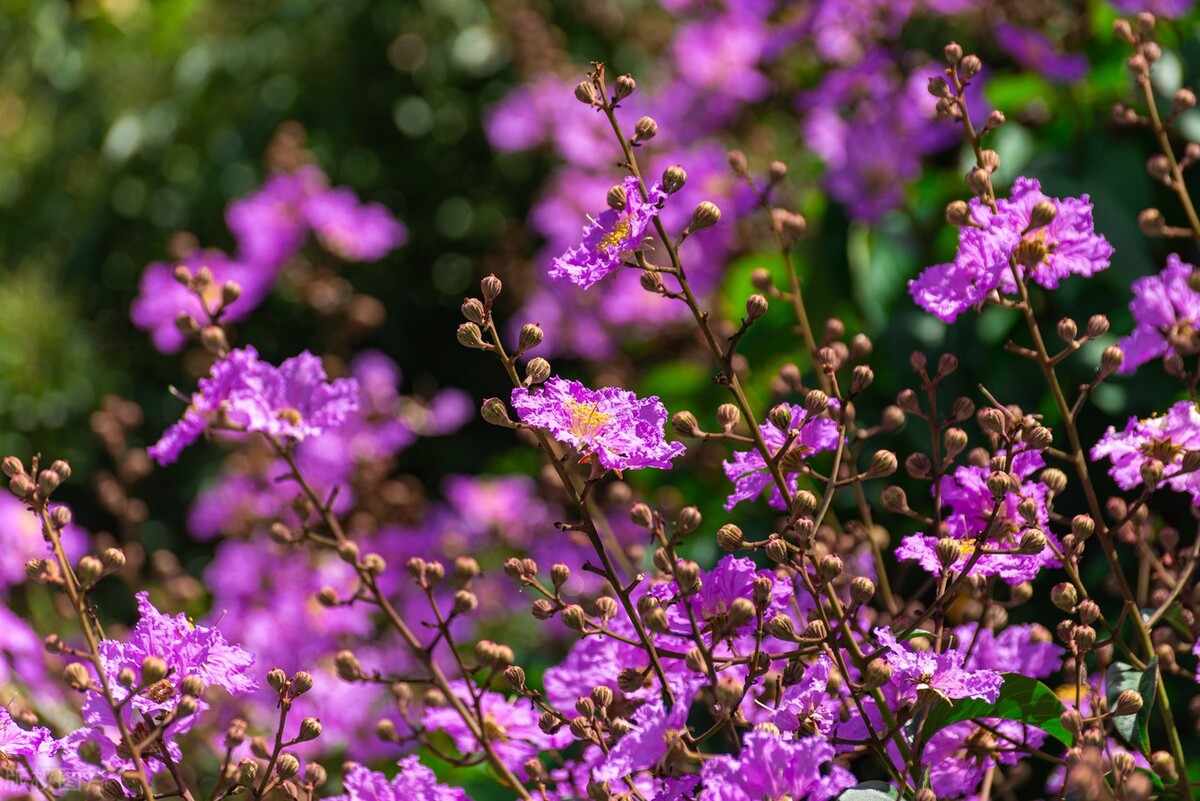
x,y
1156,452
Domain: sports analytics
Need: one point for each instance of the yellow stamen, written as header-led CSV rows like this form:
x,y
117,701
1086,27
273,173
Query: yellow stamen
x,y
586,419
291,415
613,239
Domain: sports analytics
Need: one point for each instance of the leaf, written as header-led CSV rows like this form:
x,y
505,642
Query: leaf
x,y
1021,698
1121,677
869,791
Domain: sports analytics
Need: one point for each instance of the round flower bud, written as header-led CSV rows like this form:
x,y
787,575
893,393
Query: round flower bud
x,y
465,602
573,617
186,706
862,377
958,214
585,92
606,607
804,503
728,416
790,225
730,537
883,463
537,370
469,336
777,550
1032,543
1084,638
625,86
247,772
815,402
490,287
230,292
531,336
761,280
1163,765
1129,702
948,551
495,411
687,575
315,774
689,520
737,162
756,306
673,179
154,669
310,729
694,659
559,574
705,215
830,567
685,423
89,570
953,52
287,765
1097,326
781,627
302,682
969,67
347,665
1112,358
76,676
212,337
12,466
641,515
780,416
192,685
741,612
925,794
617,197
877,673
917,465
862,589
514,676
645,128
815,630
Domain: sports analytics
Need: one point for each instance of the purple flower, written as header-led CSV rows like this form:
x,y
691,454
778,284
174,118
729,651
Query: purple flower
x,y
1164,439
293,401
1068,245
959,755
918,672
655,731
161,298
731,579
24,540
16,741
269,225
414,782
971,503
771,767
1027,648
512,724
748,470
1035,51
621,430
806,707
1167,312
1159,8
352,230
608,237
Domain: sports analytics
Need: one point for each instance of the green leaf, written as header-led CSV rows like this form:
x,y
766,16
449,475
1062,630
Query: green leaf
x,y
1021,698
869,791
1121,677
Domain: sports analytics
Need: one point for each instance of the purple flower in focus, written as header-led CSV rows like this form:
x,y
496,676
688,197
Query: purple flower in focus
x,y
917,672
748,470
806,707
414,782
608,237
1067,245
1164,439
1035,51
654,734
293,401
352,230
621,430
771,767
731,579
1167,312
971,504
161,298
17,741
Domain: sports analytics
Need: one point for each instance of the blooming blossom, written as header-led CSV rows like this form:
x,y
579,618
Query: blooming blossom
x,y
806,706
917,672
414,782
771,767
1167,312
971,503
1027,648
1067,245
513,722
748,470
960,754
269,224
608,237
653,736
293,401
1165,439
619,429
353,230
1037,52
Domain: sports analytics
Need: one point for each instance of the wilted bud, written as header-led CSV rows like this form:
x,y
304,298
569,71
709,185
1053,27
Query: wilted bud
x,y
673,179
1129,702
645,128
730,537
705,215
625,86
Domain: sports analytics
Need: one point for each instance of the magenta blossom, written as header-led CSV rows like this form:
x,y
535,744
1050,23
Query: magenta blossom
x,y
619,429
269,224
353,230
414,782
294,401
806,434
771,767
959,755
1167,312
918,672
615,232
1165,439
1066,244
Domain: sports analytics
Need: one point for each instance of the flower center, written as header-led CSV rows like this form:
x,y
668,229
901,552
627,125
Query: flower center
x,y
290,415
586,419
1163,450
613,239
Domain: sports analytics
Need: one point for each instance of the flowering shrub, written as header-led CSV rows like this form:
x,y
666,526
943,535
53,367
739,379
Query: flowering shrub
x,y
1013,616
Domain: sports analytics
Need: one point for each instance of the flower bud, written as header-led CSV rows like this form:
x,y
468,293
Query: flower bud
x,y
1097,326
585,92
469,336
1129,702
829,568
877,673
641,515
1163,765
465,602
302,682
531,336
573,617
694,659
883,463
495,412
1064,596
780,416
894,499
1151,222
978,181
154,669
1042,214
685,424
673,179
953,52
89,570
969,67
998,484
247,772
777,550
728,416
537,370
689,520
730,537
781,627
347,665
287,765
310,729
617,197
1084,638
1111,360
645,128
474,311
315,774
948,551
958,214
756,306
212,337
625,86
862,590
490,287
705,215
12,466
76,676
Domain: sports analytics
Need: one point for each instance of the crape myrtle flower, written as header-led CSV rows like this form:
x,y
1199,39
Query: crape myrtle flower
x,y
162,298
653,734
414,782
1159,8
1066,245
512,724
294,401
965,493
732,579
620,430
615,232
748,470
352,230
959,755
1028,649
1156,445
24,540
269,224
806,707
772,767
1167,312
920,672
17,741
1036,52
